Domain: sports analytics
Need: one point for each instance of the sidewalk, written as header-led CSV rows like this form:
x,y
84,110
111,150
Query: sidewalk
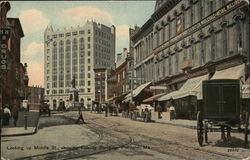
x,y
11,130
192,124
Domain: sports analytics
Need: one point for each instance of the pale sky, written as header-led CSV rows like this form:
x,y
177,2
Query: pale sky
x,y
35,16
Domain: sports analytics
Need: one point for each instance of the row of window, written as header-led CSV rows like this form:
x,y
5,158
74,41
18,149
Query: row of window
x,y
67,83
102,42
67,91
68,34
102,34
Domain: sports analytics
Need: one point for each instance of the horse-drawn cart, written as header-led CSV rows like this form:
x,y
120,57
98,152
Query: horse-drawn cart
x,y
221,107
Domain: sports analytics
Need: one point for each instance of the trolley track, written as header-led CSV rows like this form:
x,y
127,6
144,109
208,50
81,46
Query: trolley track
x,y
127,138
93,148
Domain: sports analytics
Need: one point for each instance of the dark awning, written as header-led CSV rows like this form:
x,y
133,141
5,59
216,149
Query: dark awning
x,y
155,97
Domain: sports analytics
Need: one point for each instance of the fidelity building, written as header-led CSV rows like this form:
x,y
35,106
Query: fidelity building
x,y
191,38
75,52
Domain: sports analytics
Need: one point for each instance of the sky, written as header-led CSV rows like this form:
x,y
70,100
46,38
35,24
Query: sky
x,y
35,16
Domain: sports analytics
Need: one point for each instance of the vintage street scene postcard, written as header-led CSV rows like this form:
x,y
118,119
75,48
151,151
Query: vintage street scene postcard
x,y
125,80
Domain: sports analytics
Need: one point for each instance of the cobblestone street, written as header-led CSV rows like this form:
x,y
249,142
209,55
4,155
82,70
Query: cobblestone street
x,y
117,138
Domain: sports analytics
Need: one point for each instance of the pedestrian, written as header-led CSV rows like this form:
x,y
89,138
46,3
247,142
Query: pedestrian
x,y
28,107
80,116
159,110
106,110
6,116
146,114
15,111
172,111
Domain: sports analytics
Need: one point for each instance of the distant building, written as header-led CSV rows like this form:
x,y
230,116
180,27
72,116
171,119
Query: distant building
x,y
102,88
76,52
119,82
35,97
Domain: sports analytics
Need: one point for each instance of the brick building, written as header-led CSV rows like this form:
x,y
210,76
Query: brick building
x,y
12,87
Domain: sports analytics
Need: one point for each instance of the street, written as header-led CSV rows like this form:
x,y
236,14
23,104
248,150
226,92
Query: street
x,y
115,138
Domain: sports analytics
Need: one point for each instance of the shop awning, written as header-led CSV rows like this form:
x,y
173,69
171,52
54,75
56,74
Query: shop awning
x,y
119,97
150,99
138,90
231,73
192,86
127,99
167,96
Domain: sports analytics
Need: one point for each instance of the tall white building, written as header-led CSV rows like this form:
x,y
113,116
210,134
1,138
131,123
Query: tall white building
x,y
76,52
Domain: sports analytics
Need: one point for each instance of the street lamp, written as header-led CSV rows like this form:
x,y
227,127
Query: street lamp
x,y
26,82
100,91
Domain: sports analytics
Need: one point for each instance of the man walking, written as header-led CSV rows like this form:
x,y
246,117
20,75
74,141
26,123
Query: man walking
x,y
15,114
80,116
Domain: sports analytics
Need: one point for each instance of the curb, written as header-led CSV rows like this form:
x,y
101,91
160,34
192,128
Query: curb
x,y
20,134
24,134
179,125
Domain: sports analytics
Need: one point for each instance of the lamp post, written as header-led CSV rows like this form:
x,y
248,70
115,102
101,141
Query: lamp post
x,y
100,98
26,82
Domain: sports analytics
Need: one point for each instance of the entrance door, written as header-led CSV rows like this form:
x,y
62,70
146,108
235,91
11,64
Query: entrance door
x,y
54,104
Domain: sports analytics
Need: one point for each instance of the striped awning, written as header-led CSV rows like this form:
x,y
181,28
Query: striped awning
x,y
138,89
192,86
236,72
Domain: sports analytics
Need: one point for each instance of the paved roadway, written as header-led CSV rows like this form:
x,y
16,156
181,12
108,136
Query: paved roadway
x,y
116,138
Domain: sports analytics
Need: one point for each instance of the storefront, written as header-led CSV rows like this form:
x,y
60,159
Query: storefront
x,y
187,99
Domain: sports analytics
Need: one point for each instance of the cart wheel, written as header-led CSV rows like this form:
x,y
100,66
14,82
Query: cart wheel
x,y
246,129
206,132
199,128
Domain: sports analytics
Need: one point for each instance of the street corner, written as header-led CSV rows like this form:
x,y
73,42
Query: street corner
x,y
18,131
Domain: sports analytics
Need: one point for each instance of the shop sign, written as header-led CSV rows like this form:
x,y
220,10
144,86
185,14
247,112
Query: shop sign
x,y
4,37
204,22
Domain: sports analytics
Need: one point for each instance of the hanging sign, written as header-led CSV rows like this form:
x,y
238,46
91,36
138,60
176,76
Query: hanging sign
x,y
4,37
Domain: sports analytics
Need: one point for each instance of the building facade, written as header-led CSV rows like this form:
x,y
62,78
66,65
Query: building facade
x,y
36,97
184,39
76,52
12,88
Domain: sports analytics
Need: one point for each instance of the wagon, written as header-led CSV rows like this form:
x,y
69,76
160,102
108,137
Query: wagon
x,y
221,106
44,109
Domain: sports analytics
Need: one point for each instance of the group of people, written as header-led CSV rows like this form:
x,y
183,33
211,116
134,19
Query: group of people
x,y
7,112
170,109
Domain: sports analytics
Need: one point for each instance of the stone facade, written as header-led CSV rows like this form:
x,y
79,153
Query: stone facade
x,y
76,52
191,35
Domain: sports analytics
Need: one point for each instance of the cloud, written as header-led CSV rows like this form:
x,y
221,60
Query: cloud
x,y
33,56
33,20
33,49
81,14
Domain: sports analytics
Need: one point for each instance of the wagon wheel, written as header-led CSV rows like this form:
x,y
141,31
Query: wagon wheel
x,y
199,128
246,129
206,131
